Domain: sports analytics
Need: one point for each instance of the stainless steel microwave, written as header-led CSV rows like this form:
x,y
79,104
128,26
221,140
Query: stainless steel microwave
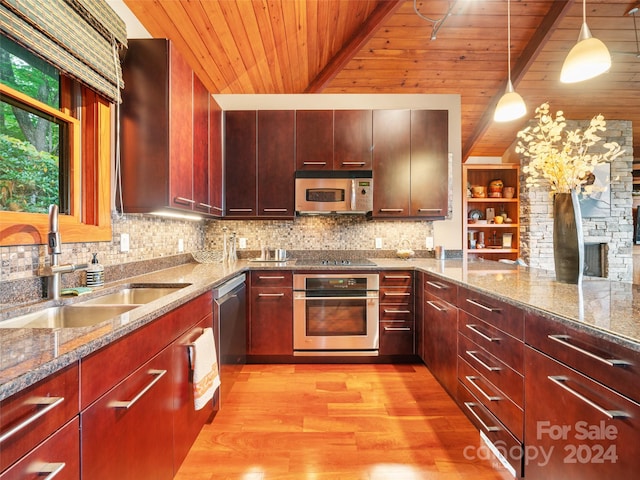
x,y
334,192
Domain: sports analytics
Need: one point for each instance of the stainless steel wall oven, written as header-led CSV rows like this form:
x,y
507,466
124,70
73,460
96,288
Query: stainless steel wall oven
x,y
335,314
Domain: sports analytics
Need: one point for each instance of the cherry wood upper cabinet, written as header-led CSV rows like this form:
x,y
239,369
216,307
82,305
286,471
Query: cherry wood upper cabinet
x,y
429,163
314,140
164,131
352,139
391,163
240,175
215,159
276,163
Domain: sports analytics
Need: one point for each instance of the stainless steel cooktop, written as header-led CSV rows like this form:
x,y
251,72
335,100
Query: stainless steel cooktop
x,y
345,262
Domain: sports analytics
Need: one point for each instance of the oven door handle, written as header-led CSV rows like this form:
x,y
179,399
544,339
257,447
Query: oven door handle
x,y
338,298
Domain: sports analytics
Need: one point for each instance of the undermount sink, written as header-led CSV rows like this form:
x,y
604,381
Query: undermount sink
x,y
67,316
132,296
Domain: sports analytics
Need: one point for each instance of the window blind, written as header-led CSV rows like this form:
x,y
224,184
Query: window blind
x,y
76,36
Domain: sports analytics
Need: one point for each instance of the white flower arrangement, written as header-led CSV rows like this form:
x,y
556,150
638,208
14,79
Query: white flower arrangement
x,y
563,159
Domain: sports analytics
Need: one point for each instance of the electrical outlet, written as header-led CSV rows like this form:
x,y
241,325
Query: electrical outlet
x,y
180,245
124,242
429,243
242,242
378,243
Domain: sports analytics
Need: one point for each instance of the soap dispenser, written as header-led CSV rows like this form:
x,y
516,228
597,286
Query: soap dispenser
x,y
95,273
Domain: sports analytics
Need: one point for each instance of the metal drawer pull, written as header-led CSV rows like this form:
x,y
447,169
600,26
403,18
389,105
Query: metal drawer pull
x,y
562,339
217,208
436,306
470,406
439,286
271,294
397,329
275,209
314,163
337,298
478,304
183,200
129,403
396,311
472,381
205,205
611,414
429,209
275,277
392,209
53,469
474,355
50,402
354,163
474,329
396,277
391,294
241,209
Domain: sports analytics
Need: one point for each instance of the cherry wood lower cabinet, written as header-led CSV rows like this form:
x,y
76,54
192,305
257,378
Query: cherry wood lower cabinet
x,y
127,433
58,456
576,427
397,332
31,416
271,313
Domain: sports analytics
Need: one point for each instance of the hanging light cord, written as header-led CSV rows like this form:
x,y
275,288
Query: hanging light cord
x,y
509,39
437,23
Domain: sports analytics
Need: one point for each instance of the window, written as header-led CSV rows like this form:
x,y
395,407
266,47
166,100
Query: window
x,y
54,148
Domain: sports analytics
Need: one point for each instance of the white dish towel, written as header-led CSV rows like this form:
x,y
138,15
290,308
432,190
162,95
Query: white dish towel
x,y
206,378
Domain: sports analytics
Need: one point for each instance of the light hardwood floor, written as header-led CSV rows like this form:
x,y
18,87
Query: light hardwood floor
x,y
330,422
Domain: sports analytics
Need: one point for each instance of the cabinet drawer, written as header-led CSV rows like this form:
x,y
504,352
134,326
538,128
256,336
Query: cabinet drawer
x,y
442,289
507,318
59,453
501,345
493,399
608,362
103,369
497,372
397,312
491,427
397,338
272,278
398,295
396,279
30,416
590,430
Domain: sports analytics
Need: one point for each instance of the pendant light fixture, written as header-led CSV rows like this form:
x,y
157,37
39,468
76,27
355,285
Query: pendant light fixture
x,y
511,105
588,58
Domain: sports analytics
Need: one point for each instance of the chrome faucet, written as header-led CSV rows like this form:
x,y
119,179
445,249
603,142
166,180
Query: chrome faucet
x,y
55,270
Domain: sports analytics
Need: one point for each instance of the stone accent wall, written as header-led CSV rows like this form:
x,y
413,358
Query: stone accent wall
x,y
616,230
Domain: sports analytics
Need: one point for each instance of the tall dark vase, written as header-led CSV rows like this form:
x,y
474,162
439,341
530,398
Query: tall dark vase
x,y
568,241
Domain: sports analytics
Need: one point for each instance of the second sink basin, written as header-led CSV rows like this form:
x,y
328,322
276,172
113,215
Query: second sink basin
x,y
132,296
68,316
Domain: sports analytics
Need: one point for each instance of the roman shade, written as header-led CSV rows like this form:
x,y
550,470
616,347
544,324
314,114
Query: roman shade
x,y
82,38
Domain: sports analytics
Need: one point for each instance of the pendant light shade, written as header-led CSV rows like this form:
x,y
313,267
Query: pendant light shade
x,y
588,58
511,105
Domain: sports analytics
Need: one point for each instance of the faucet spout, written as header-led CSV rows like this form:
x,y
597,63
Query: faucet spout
x,y
54,235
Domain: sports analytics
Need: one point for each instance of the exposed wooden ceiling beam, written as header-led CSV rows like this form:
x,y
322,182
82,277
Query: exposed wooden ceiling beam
x,y
369,28
553,18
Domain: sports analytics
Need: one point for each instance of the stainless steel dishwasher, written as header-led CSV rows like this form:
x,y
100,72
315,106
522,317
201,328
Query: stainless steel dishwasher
x,y
231,325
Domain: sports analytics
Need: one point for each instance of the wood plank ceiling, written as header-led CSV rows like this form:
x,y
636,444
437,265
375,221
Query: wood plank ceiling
x,y
384,46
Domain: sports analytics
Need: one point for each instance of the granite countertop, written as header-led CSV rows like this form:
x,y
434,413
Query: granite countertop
x,y
605,308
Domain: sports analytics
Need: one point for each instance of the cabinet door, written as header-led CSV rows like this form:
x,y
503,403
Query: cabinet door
x,y
58,456
180,131
187,422
276,165
352,140
391,163
271,324
429,163
215,159
440,330
585,430
127,433
241,174
314,139
200,146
